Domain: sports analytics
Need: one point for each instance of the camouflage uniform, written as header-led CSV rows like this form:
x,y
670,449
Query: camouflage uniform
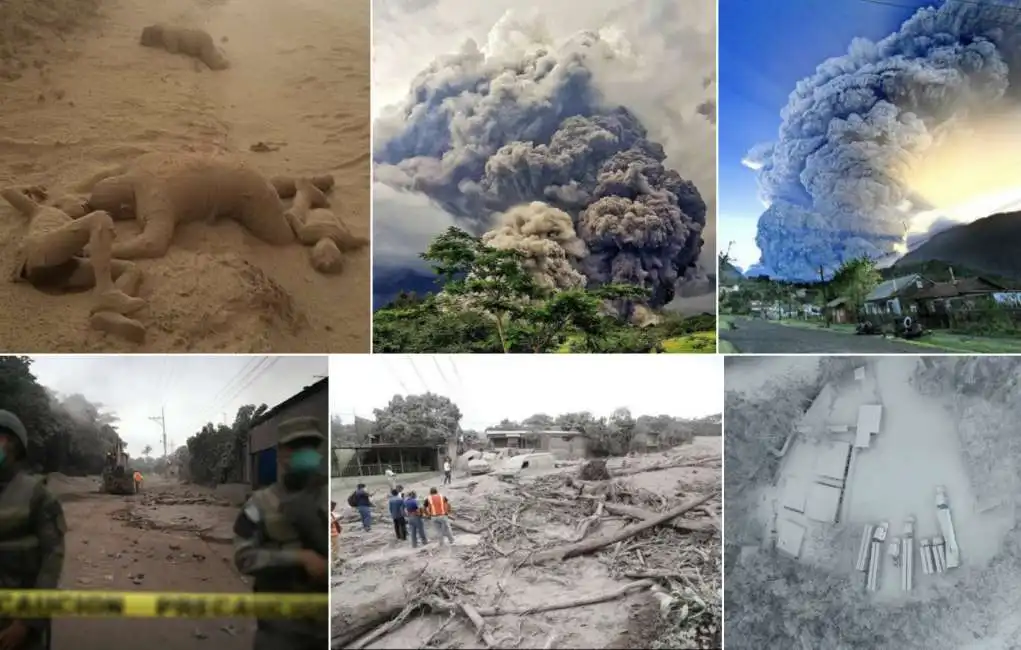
x,y
276,522
32,532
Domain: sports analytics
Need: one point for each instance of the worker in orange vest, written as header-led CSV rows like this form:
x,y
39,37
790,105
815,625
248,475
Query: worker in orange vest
x,y
138,481
437,508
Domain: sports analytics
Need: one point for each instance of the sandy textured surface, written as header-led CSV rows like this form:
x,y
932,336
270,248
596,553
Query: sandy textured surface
x,y
93,98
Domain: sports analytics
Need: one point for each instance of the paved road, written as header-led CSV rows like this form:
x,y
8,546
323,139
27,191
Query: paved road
x,y
761,337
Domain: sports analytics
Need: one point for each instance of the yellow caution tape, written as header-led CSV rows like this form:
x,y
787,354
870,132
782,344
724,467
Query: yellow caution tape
x,y
126,604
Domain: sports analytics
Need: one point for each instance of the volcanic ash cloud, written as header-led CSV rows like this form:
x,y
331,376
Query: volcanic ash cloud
x,y
838,176
523,138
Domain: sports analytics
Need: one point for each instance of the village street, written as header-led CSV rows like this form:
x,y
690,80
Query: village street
x,y
756,336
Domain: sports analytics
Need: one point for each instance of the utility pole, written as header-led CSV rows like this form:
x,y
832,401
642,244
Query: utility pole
x,y
162,421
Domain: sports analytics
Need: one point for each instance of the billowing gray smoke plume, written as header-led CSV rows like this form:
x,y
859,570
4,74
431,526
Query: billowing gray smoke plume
x,y
546,237
831,180
529,136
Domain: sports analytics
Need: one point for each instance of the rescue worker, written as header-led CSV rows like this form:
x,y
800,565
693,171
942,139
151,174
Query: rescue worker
x,y
32,532
415,523
360,501
397,513
273,544
138,481
437,508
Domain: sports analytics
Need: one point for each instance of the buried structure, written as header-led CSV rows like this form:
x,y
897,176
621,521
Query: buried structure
x,y
542,558
879,509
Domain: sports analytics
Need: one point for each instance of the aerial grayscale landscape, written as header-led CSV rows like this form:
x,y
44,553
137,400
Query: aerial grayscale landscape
x,y
871,502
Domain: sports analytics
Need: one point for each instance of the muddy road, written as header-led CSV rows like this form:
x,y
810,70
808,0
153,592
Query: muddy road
x,y
93,98
169,538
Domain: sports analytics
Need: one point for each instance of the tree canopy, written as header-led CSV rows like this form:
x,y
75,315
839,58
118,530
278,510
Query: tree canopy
x,y
491,303
216,453
66,434
433,419
418,419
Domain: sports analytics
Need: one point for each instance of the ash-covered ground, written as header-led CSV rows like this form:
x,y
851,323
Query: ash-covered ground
x,y
947,421
658,588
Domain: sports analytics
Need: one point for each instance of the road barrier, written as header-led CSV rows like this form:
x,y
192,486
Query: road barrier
x,y
128,604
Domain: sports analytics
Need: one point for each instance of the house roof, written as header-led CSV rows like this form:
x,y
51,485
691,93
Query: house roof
x,y
962,287
308,391
836,302
893,287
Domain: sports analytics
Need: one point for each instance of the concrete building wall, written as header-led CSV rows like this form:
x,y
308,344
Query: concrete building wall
x,y
263,436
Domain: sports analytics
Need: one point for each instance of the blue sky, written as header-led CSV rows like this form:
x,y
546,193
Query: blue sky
x,y
765,48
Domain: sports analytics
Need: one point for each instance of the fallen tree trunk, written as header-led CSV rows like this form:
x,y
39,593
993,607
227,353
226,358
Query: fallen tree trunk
x,y
593,545
568,604
655,468
351,621
644,515
464,526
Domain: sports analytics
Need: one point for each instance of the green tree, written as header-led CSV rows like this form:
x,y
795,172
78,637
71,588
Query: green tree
x,y
855,280
490,302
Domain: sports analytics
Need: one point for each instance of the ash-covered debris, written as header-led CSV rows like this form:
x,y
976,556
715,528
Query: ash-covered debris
x,y
548,559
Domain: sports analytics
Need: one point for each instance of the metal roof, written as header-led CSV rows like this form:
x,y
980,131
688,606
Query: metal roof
x,y
891,288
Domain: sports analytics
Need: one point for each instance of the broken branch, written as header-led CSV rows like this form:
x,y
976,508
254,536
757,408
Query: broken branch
x,y
591,546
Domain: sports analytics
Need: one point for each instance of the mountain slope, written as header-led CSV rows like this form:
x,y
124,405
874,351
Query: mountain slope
x,y
989,245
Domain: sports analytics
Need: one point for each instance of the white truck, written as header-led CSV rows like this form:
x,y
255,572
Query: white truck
x,y
946,526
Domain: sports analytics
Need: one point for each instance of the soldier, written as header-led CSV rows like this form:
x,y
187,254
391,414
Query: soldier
x,y
32,531
281,535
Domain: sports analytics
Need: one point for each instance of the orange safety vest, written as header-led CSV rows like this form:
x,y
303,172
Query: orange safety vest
x,y
138,477
334,525
437,505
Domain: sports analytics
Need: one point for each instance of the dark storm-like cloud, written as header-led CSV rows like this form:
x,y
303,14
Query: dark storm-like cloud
x,y
833,180
483,134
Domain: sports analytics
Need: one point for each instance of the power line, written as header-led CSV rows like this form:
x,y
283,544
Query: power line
x,y
457,375
242,375
390,369
267,368
418,374
440,370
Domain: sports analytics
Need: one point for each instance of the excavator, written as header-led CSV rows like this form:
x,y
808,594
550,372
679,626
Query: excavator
x,y
118,477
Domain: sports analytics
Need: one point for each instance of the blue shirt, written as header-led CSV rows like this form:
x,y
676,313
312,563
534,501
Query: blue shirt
x,y
396,507
411,505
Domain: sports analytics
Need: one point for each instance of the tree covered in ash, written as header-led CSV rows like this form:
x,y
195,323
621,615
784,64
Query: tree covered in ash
x,y
218,452
418,419
985,395
435,419
67,434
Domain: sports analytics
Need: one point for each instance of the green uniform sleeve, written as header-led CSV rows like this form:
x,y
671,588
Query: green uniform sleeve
x,y
250,553
50,529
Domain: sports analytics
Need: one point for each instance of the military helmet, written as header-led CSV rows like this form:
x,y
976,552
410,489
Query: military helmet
x,y
299,428
10,423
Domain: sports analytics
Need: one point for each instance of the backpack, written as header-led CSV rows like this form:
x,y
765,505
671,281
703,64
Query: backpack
x,y
352,500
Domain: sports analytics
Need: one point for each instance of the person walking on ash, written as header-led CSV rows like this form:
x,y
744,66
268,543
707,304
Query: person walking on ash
x,y
281,536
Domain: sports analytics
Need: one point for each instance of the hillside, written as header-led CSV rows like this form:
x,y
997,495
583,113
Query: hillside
x,y
987,246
